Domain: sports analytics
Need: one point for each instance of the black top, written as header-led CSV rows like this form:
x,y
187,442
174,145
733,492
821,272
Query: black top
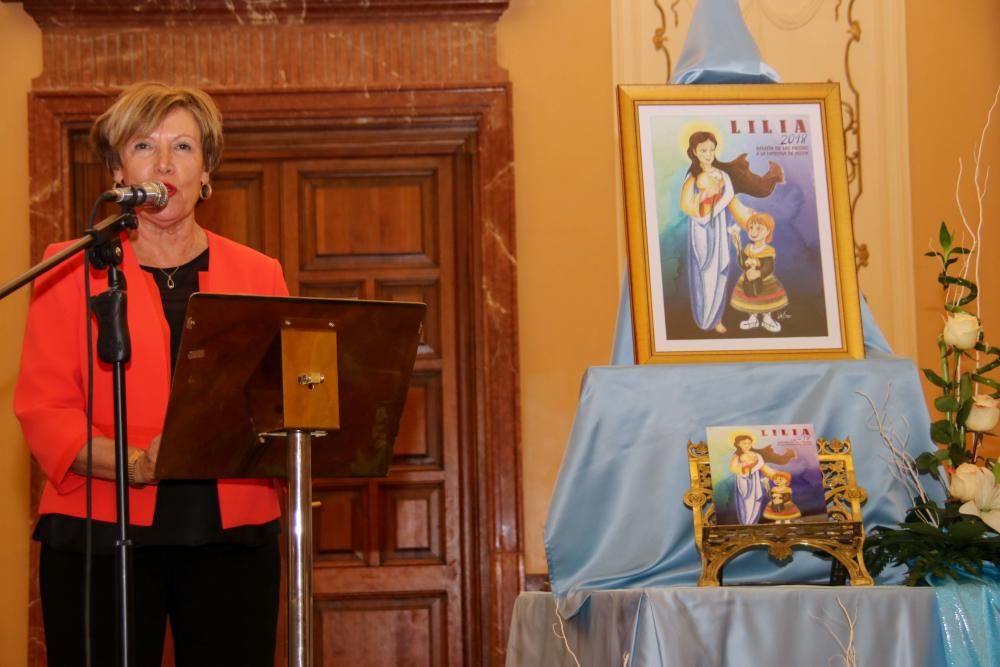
x,y
187,511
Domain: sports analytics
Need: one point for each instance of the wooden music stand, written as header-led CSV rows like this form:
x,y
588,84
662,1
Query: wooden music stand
x,y
258,377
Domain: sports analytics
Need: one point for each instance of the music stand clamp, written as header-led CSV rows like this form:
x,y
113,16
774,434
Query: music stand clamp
x,y
280,371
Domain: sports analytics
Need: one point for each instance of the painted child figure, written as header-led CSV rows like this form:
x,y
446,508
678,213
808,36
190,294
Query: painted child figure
x,y
781,509
758,292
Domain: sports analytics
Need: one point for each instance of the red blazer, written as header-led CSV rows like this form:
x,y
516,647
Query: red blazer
x,y
50,397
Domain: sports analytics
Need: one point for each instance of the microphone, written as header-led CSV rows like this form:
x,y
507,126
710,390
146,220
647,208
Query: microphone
x,y
150,193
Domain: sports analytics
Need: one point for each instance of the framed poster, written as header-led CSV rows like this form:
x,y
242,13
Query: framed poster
x,y
738,223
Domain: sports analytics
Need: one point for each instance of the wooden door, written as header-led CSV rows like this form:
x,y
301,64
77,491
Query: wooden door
x,y
387,555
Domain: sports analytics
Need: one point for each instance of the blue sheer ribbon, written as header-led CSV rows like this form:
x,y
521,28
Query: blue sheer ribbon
x,y
970,618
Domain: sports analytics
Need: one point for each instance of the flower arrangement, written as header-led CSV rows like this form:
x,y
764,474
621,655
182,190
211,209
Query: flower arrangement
x,y
965,411
957,537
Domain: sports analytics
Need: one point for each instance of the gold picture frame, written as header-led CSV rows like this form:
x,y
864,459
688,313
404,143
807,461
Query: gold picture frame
x,y
738,219
841,537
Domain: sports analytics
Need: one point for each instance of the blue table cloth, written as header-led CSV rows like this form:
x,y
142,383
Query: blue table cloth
x,y
737,626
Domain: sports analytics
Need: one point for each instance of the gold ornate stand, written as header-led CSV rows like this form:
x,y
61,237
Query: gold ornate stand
x,y
841,537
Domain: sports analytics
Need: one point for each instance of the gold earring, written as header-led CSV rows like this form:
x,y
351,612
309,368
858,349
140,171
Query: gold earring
x,y
206,191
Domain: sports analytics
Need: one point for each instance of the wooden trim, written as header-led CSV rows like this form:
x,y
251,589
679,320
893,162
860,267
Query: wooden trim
x,y
122,13
274,57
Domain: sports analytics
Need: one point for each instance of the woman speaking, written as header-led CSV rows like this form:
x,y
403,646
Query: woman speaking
x,y
206,555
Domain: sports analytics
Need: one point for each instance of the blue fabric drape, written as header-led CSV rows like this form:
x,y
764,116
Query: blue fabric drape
x,y
617,519
720,49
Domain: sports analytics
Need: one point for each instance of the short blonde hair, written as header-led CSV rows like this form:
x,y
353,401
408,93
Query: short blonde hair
x,y
142,106
765,220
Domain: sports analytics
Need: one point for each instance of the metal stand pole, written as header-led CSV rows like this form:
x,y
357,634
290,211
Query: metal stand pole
x,y
114,346
123,545
300,615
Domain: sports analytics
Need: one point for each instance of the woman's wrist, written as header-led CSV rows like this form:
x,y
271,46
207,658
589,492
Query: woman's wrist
x,y
135,472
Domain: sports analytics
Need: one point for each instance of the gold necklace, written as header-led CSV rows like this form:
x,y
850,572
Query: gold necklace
x,y
170,276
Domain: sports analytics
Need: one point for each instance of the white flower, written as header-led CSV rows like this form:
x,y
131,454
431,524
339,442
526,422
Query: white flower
x,y
961,330
986,503
966,480
984,415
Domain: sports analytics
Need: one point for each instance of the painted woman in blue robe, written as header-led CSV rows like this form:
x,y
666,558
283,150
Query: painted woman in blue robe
x,y
753,475
752,485
715,215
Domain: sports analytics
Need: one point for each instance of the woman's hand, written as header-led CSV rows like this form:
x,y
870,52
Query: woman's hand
x,y
143,465
142,462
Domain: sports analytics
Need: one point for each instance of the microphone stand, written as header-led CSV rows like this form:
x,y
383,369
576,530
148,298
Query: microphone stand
x,y
114,347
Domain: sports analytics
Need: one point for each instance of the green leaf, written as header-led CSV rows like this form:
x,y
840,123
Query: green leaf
x,y
942,431
935,378
989,349
927,461
963,411
922,528
986,368
944,237
989,382
966,530
946,403
956,452
965,388
931,253
962,251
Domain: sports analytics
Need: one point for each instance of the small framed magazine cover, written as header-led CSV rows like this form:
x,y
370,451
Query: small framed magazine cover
x,y
766,474
738,223
779,487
